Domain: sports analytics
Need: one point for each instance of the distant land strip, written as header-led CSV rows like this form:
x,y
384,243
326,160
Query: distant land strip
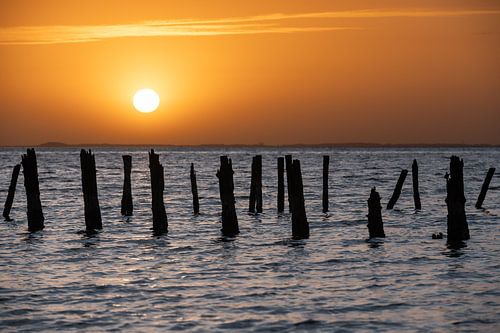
x,y
262,145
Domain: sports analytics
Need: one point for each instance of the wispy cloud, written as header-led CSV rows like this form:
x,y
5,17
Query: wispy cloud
x,y
262,24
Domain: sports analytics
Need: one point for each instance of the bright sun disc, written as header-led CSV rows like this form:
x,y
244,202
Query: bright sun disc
x,y
146,100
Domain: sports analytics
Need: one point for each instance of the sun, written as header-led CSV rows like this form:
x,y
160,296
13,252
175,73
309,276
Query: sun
x,y
146,100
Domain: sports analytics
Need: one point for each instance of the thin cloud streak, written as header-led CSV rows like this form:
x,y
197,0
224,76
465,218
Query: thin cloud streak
x,y
262,24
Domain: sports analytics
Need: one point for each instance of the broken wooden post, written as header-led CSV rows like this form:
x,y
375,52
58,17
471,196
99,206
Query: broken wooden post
x,y
484,188
255,199
30,171
12,191
160,221
226,188
416,193
326,163
281,185
397,189
93,219
194,190
375,224
300,226
127,204
288,167
458,228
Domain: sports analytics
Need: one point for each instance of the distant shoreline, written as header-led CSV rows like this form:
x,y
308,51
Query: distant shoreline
x,y
321,145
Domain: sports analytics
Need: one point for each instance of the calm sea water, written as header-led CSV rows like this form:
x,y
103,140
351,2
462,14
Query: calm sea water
x,y
124,279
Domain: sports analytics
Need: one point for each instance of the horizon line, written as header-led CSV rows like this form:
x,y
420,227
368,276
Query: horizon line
x,y
261,145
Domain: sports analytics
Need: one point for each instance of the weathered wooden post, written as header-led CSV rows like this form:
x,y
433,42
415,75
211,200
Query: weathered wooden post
x,y
484,188
397,189
93,219
288,168
12,191
194,190
300,226
458,229
255,199
375,224
326,163
416,193
127,204
160,221
230,226
30,171
281,185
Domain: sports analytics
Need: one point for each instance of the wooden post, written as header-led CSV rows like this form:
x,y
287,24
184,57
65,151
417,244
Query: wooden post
x,y
93,219
281,185
252,197
160,220
458,229
30,171
416,193
300,226
326,163
375,224
397,189
255,199
127,204
226,188
484,188
288,167
12,191
194,190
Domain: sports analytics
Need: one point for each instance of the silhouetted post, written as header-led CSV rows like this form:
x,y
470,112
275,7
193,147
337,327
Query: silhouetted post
x,y
226,188
458,228
484,188
375,224
326,163
160,221
30,171
397,189
93,219
255,200
281,185
127,204
288,166
416,193
12,191
194,190
300,226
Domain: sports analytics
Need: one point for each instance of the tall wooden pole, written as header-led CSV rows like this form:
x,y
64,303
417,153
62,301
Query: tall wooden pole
x,y
326,163
229,219
288,167
127,208
93,220
375,224
416,193
300,226
12,191
31,184
281,185
397,189
458,229
484,188
160,220
194,191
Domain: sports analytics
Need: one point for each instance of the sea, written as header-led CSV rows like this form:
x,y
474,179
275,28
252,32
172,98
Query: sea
x,y
192,279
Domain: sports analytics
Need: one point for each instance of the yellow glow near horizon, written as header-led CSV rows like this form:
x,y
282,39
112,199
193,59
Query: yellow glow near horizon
x,y
146,100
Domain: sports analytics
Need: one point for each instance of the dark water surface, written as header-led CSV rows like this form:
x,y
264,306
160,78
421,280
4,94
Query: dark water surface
x,y
124,279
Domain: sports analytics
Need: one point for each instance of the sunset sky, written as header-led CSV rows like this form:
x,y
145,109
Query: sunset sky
x,y
273,72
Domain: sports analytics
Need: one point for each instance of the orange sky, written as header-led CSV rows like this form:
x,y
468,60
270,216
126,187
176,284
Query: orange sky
x,y
274,72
